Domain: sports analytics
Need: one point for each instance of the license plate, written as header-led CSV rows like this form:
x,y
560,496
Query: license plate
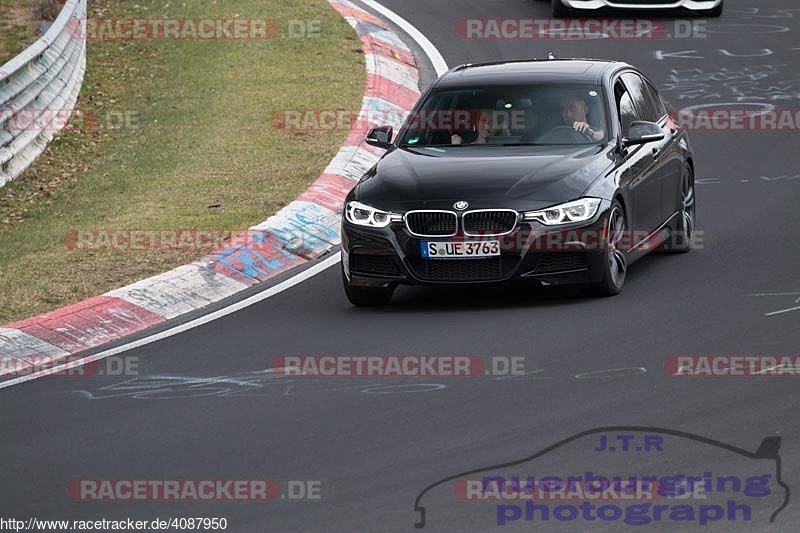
x,y
459,250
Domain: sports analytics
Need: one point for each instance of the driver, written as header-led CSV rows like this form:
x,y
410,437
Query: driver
x,y
574,111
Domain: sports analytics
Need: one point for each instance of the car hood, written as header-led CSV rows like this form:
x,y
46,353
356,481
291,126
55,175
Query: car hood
x,y
483,176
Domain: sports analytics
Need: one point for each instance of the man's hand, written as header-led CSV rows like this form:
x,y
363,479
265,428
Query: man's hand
x,y
456,139
582,127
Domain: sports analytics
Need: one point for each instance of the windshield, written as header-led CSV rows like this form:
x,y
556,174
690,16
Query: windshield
x,y
544,114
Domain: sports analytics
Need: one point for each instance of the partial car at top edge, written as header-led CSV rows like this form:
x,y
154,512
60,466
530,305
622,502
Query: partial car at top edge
x,y
569,8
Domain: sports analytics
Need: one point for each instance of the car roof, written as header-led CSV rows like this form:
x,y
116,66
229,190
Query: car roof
x,y
525,71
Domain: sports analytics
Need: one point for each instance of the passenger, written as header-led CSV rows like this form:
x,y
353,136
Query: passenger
x,y
483,129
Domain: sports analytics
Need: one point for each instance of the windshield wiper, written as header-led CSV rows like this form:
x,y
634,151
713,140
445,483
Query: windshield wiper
x,y
418,146
523,144
442,145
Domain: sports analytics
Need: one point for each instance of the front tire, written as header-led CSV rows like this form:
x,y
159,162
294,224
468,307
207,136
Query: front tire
x,y
560,10
615,264
366,296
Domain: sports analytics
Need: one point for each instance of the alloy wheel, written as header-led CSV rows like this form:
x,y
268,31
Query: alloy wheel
x,y
617,265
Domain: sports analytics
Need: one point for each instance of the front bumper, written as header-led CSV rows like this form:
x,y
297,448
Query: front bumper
x,y
531,253
692,5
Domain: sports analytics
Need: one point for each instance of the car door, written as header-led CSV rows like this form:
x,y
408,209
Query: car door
x,y
671,158
663,151
638,168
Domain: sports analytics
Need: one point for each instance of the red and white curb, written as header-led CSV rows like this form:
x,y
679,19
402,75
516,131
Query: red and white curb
x,y
303,230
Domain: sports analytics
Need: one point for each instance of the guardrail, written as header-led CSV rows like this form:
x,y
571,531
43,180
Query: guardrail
x,y
39,88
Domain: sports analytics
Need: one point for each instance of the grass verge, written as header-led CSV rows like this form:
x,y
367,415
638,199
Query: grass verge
x,y
185,140
18,27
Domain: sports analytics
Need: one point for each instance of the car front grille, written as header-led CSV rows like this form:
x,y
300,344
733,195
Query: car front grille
x,y
444,270
432,223
489,222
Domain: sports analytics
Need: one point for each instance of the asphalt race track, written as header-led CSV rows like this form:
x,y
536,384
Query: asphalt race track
x,y
202,407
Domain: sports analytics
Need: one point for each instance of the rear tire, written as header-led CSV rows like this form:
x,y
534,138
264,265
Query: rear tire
x,y
681,237
615,265
560,10
367,296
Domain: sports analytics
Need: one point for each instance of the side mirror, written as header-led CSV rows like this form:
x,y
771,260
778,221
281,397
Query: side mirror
x,y
642,132
380,137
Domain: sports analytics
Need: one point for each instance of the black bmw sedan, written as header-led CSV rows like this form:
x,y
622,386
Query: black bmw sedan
x,y
542,171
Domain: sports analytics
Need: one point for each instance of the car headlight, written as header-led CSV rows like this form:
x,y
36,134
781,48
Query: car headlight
x,y
568,213
364,215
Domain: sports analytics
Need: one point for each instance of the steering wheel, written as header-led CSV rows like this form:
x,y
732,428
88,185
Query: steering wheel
x,y
564,134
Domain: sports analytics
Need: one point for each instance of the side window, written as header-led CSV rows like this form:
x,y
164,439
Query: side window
x,y
641,99
655,98
627,112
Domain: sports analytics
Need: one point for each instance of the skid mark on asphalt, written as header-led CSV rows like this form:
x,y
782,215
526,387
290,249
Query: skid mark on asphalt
x,y
160,387
612,373
780,312
530,375
784,178
794,295
260,383
751,13
404,389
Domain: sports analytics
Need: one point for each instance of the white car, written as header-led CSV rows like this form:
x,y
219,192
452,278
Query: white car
x,y
568,8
